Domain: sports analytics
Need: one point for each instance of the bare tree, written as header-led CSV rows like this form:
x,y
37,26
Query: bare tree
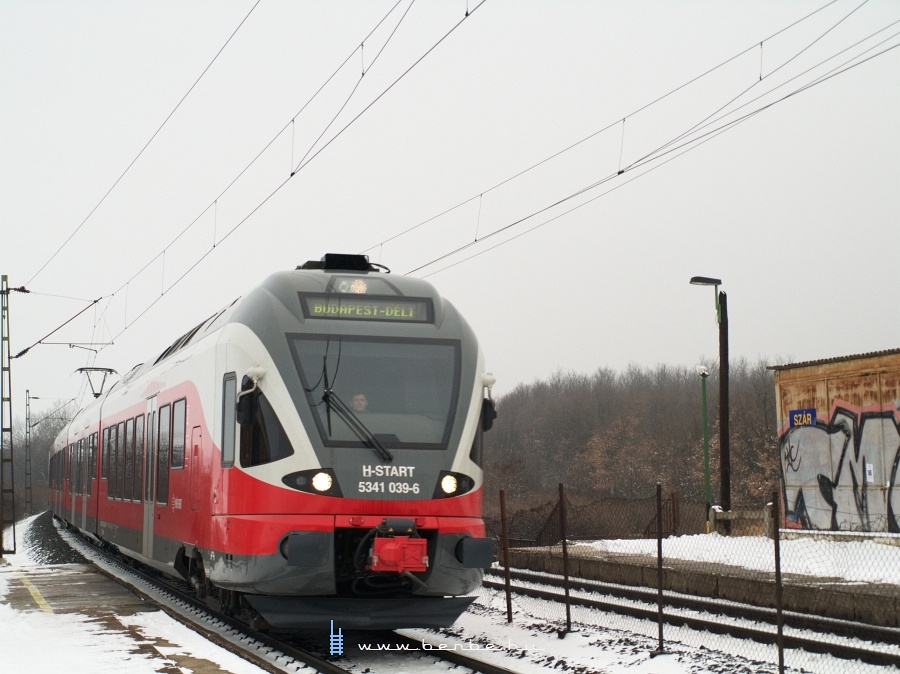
x,y
45,426
612,435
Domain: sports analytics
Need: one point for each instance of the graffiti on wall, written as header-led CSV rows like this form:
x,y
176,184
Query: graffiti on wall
x,y
841,473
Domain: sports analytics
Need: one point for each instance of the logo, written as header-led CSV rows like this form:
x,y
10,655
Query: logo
x,y
335,641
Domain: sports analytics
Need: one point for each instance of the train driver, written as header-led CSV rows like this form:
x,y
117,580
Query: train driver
x,y
359,402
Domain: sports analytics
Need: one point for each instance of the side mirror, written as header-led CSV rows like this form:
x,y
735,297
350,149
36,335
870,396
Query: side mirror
x,y
245,408
488,414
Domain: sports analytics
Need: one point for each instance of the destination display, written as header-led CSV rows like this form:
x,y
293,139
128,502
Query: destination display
x,y
367,308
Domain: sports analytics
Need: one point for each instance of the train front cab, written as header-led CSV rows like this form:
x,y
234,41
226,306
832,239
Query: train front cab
x,y
380,538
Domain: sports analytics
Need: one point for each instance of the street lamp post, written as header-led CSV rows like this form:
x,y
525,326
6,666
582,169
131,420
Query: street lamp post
x,y
704,373
724,449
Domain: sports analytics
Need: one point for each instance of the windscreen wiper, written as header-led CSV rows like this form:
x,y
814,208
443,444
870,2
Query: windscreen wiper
x,y
333,402
326,397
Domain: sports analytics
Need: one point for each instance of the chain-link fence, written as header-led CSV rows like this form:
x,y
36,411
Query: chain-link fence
x,y
771,585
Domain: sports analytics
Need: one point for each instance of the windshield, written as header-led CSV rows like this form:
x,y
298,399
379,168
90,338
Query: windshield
x,y
401,391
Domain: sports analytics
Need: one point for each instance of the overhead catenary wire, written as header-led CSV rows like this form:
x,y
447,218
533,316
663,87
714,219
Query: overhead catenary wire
x,y
146,145
596,133
661,151
686,146
307,159
57,329
50,415
214,204
302,164
712,119
356,86
281,185
395,82
762,78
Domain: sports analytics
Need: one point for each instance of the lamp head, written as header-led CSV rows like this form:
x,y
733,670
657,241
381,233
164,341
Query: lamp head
x,y
705,281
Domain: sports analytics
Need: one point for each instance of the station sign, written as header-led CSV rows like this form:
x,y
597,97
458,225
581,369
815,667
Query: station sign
x,y
805,417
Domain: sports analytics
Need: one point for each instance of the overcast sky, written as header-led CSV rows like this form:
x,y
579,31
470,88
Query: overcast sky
x,y
794,208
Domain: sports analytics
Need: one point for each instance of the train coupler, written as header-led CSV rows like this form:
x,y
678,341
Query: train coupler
x,y
398,548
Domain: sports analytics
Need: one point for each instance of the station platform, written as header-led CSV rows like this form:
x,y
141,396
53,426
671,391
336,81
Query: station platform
x,y
69,588
74,618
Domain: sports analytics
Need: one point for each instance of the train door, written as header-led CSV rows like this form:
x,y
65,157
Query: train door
x,y
149,475
93,482
83,462
196,468
72,483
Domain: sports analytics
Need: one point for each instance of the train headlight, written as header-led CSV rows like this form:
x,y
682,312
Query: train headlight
x,y
322,482
318,481
452,484
449,484
359,286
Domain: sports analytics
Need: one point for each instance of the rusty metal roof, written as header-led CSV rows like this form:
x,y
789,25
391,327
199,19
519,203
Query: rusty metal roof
x,y
838,359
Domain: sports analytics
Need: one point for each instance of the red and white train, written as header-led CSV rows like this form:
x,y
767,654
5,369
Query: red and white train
x,y
310,453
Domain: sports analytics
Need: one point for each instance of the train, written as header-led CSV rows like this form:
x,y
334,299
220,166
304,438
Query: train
x,y
310,453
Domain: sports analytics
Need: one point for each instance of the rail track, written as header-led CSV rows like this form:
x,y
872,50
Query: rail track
x,y
839,638
273,651
304,651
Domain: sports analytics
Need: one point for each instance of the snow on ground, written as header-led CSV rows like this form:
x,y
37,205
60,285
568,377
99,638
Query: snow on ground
x,y
151,642
600,642
872,559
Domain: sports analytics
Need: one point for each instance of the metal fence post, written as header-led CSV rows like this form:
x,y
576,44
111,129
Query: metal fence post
x,y
779,589
565,552
504,535
659,570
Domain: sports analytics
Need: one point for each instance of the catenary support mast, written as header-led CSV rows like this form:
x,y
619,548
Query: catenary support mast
x,y
7,490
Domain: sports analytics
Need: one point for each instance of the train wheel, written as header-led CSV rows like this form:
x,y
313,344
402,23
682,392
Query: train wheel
x,y
198,577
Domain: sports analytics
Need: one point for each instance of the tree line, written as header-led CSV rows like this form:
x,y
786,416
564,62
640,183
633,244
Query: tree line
x,y
614,435
45,426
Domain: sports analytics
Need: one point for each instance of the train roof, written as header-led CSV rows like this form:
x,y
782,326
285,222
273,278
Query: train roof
x,y
333,273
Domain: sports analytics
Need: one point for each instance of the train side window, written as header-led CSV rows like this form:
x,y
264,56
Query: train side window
x,y
178,420
129,459
120,459
162,455
138,456
229,394
263,439
105,451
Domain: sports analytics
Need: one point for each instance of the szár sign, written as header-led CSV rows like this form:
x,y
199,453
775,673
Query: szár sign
x,y
805,417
